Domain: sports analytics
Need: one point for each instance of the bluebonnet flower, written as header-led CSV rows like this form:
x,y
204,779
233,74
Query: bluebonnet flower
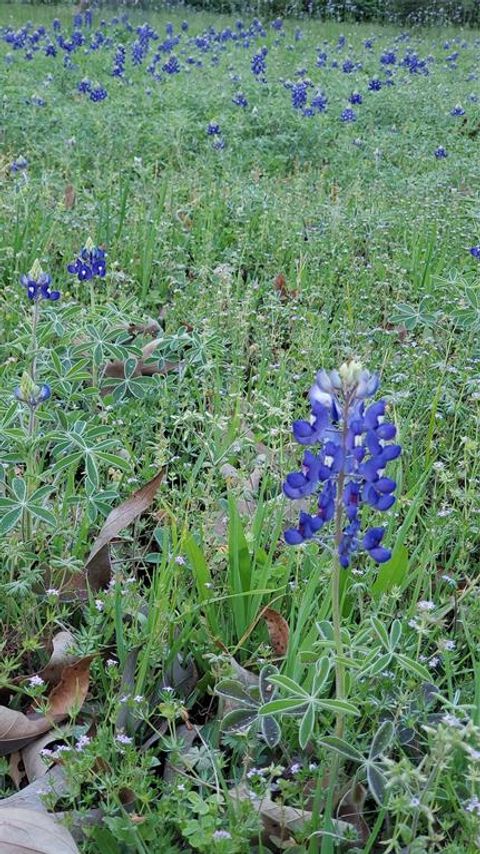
x,y
37,284
240,100
388,58
322,59
258,64
218,143
85,86
172,65
319,102
119,62
375,84
348,115
213,129
184,26
368,44
299,95
277,24
348,470
355,98
441,152
348,66
98,94
475,251
19,165
457,110
90,263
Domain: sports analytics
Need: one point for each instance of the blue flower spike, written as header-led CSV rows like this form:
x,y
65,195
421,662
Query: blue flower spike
x,y
347,471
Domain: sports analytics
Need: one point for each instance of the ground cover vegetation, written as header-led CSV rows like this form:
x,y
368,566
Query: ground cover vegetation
x,y
220,633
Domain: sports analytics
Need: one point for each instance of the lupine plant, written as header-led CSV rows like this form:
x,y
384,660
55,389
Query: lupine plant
x,y
346,477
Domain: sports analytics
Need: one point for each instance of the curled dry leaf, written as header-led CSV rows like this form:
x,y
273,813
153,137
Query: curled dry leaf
x,y
15,770
53,784
24,831
31,755
16,730
278,630
60,657
71,691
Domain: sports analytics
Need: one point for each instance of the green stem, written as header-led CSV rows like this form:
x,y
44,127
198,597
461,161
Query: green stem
x,y
336,610
31,462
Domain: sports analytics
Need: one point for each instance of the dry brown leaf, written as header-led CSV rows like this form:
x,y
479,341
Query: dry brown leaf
x,y
33,762
281,286
123,515
351,809
14,771
69,197
278,630
116,369
24,831
71,691
16,730
60,657
53,784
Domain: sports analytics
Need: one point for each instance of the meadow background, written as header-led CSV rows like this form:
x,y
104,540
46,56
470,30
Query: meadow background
x,y
252,241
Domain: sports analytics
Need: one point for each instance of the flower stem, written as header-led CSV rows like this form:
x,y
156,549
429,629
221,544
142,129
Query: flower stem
x,y
336,610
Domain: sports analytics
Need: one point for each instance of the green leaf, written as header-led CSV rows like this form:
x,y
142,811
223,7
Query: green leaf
x,y
380,631
392,573
322,672
338,706
239,568
267,689
92,470
395,634
72,459
113,460
42,513
238,719
306,726
203,580
382,739
290,685
414,667
9,520
376,783
343,747
277,707
234,691
271,731
378,665
19,488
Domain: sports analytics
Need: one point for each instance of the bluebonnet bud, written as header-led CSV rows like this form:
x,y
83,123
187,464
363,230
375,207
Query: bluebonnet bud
x,y
240,100
457,110
90,263
441,152
30,393
348,470
37,284
19,165
355,98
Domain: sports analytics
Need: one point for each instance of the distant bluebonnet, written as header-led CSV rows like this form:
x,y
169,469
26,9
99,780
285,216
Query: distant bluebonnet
x,y
457,110
322,59
299,93
475,251
389,57
172,66
213,129
355,98
240,100
90,263
319,102
218,143
184,26
119,62
84,86
441,152
348,471
374,84
277,24
368,43
30,393
99,93
258,64
348,115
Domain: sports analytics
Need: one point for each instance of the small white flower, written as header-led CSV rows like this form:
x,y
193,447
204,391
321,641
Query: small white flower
x,y
180,560
451,720
295,768
138,699
111,662
446,644
36,681
425,605
434,662
123,739
222,834
414,802
82,742
52,591
99,605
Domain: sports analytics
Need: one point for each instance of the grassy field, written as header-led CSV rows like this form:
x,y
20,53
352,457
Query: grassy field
x,y
259,224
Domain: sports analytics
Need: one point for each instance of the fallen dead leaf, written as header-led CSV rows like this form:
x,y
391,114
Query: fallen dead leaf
x,y
54,783
278,630
116,369
16,730
60,657
69,197
14,769
34,764
24,831
71,691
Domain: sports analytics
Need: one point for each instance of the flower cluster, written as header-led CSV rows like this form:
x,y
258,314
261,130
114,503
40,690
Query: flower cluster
x,y
348,471
38,285
90,263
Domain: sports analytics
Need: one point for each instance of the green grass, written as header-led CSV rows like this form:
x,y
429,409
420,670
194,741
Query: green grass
x,y
372,234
